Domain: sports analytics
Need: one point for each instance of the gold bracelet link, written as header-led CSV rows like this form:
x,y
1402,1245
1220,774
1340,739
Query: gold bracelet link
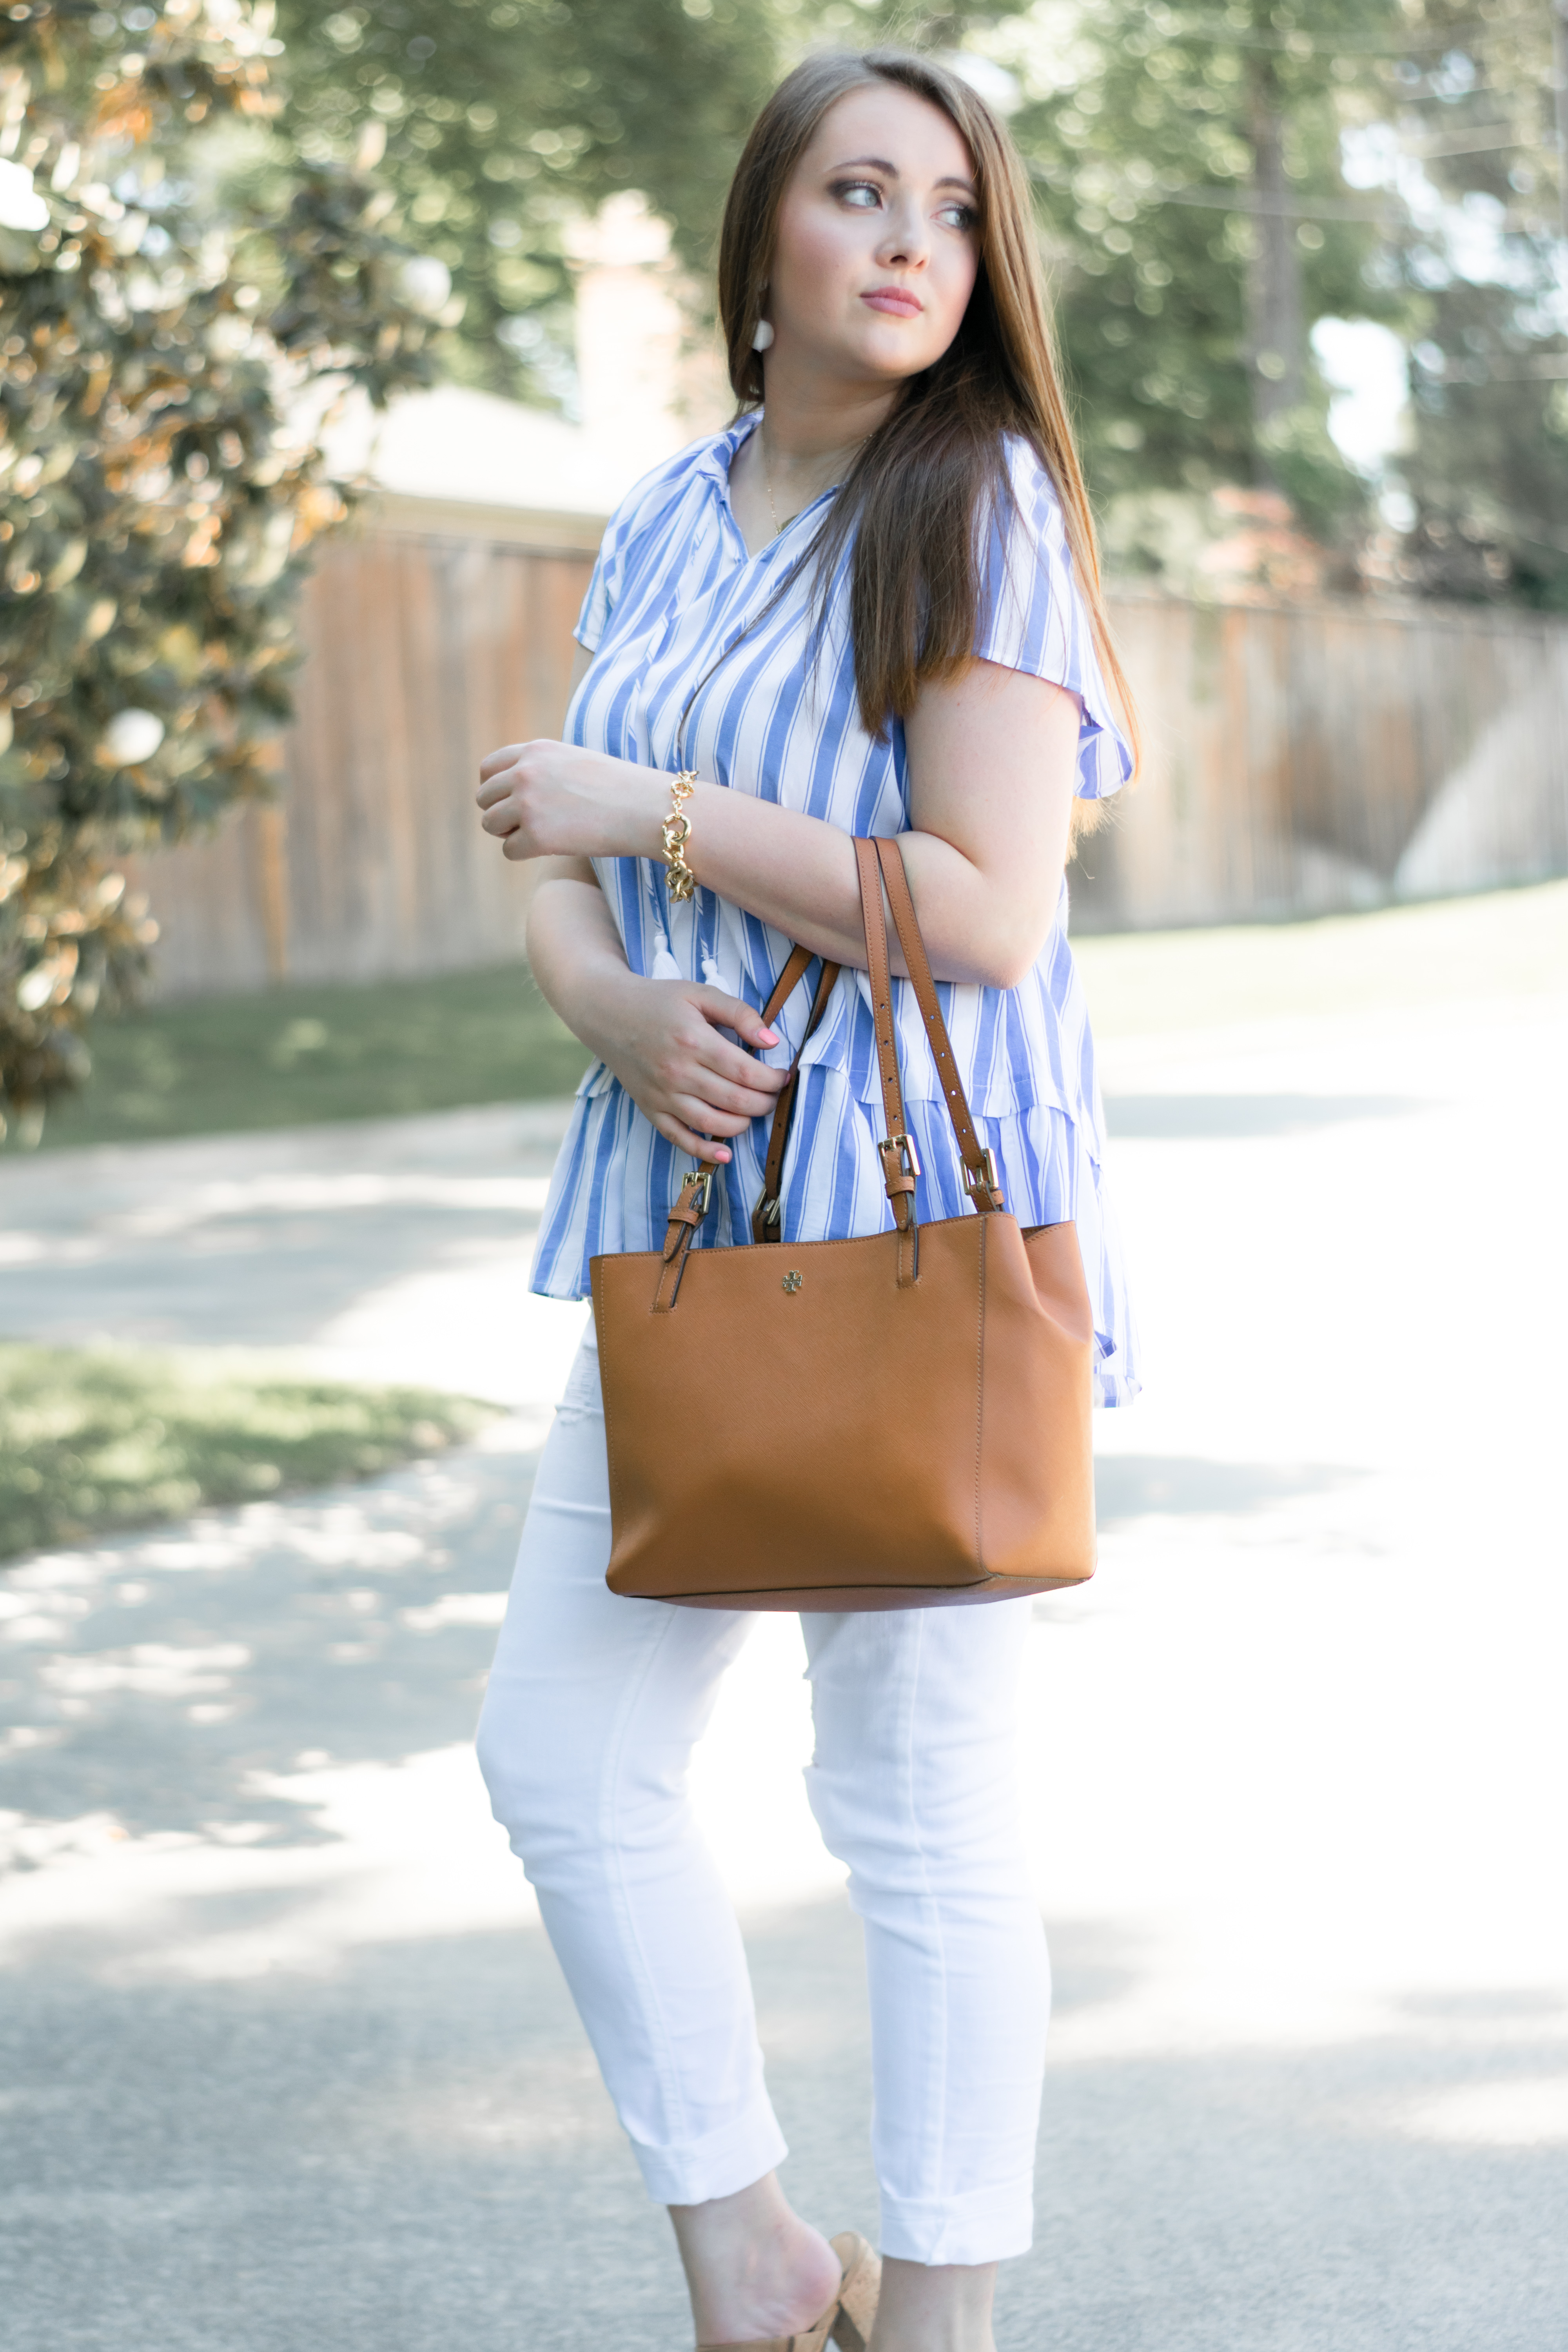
x,y
676,832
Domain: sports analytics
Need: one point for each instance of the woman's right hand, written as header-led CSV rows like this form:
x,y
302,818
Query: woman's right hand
x,y
664,1040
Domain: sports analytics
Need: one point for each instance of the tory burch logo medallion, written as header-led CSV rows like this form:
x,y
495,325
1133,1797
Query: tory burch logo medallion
x,y
793,1281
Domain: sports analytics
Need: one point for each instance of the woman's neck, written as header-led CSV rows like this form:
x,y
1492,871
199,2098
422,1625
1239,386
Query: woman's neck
x,y
811,433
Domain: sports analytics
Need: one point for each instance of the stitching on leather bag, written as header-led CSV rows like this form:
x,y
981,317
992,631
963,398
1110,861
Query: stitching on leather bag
x,y
979,1409
609,1439
839,1241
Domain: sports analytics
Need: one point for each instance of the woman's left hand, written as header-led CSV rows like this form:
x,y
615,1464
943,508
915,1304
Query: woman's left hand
x,y
556,799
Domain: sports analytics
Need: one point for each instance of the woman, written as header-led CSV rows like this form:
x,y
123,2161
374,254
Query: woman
x,y
871,606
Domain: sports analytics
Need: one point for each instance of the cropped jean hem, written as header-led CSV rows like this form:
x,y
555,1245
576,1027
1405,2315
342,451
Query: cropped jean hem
x,y
718,2165
985,2225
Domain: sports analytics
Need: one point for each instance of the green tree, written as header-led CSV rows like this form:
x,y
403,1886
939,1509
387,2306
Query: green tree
x,y
166,342
1189,161
1487,270
504,120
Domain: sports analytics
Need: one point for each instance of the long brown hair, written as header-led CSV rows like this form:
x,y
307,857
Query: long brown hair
x,y
921,482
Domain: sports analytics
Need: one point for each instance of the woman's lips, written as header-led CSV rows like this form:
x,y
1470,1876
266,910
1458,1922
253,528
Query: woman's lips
x,y
894,300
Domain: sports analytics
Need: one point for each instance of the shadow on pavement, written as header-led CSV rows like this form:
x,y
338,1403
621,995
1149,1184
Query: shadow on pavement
x,y
260,1277
163,1678
169,1679
289,2064
416,2153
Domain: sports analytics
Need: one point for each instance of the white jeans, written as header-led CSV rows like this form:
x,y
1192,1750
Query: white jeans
x,y
593,1707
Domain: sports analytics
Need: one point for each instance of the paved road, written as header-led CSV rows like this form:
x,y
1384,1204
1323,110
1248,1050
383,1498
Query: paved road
x,y
394,1249
286,2059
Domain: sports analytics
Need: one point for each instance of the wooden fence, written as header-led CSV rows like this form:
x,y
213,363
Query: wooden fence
x,y
1307,758
1300,759
433,637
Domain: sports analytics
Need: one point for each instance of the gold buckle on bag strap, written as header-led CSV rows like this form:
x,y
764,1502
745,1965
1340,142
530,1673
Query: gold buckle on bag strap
x,y
690,1208
901,1169
900,1162
986,1181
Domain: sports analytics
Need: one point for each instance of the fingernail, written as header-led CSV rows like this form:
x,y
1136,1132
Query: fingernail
x,y
769,1036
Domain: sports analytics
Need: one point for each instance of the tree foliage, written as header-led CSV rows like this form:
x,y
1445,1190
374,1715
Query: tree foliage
x,y
1189,161
166,344
1192,157
507,119
1485,261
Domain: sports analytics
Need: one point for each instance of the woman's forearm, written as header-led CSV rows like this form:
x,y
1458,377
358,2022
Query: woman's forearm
x,y
799,874
991,770
794,872
574,952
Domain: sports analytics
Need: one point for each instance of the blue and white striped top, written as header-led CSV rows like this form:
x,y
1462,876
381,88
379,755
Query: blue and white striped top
x,y
678,613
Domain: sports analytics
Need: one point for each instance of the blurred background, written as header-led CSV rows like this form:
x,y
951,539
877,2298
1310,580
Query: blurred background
x,y
333,340
328,342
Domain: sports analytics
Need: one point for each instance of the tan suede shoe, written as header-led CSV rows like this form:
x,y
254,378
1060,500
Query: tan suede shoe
x,y
847,2320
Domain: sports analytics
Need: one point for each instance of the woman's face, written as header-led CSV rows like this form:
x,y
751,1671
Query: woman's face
x,y
877,243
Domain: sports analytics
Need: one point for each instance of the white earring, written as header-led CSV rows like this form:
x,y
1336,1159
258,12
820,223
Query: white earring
x,y
763,337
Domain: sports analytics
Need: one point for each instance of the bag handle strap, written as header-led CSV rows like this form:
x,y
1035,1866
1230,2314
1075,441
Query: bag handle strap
x,y
869,874
879,862
979,1164
901,1161
766,1217
691,1204
901,1165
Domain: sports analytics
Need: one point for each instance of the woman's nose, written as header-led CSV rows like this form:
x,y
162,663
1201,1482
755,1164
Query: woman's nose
x,y
904,243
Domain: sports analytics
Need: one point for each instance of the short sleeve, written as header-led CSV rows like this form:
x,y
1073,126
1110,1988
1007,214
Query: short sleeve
x,y
603,589
1033,617
640,524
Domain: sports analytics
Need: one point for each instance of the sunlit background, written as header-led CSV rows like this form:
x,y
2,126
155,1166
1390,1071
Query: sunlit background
x,y
328,342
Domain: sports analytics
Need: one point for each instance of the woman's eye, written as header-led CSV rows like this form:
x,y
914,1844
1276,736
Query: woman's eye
x,y
862,193
959,216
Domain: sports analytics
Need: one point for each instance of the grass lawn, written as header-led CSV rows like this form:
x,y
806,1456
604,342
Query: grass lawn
x,y
293,1056
92,1440
289,1056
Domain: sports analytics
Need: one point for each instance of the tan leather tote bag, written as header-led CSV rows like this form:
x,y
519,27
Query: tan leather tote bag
x,y
883,1423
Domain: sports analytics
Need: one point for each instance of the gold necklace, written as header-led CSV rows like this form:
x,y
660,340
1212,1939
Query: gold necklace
x,y
768,481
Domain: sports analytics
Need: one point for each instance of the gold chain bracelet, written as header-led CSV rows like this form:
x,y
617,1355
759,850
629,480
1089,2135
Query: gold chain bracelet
x,y
675,833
